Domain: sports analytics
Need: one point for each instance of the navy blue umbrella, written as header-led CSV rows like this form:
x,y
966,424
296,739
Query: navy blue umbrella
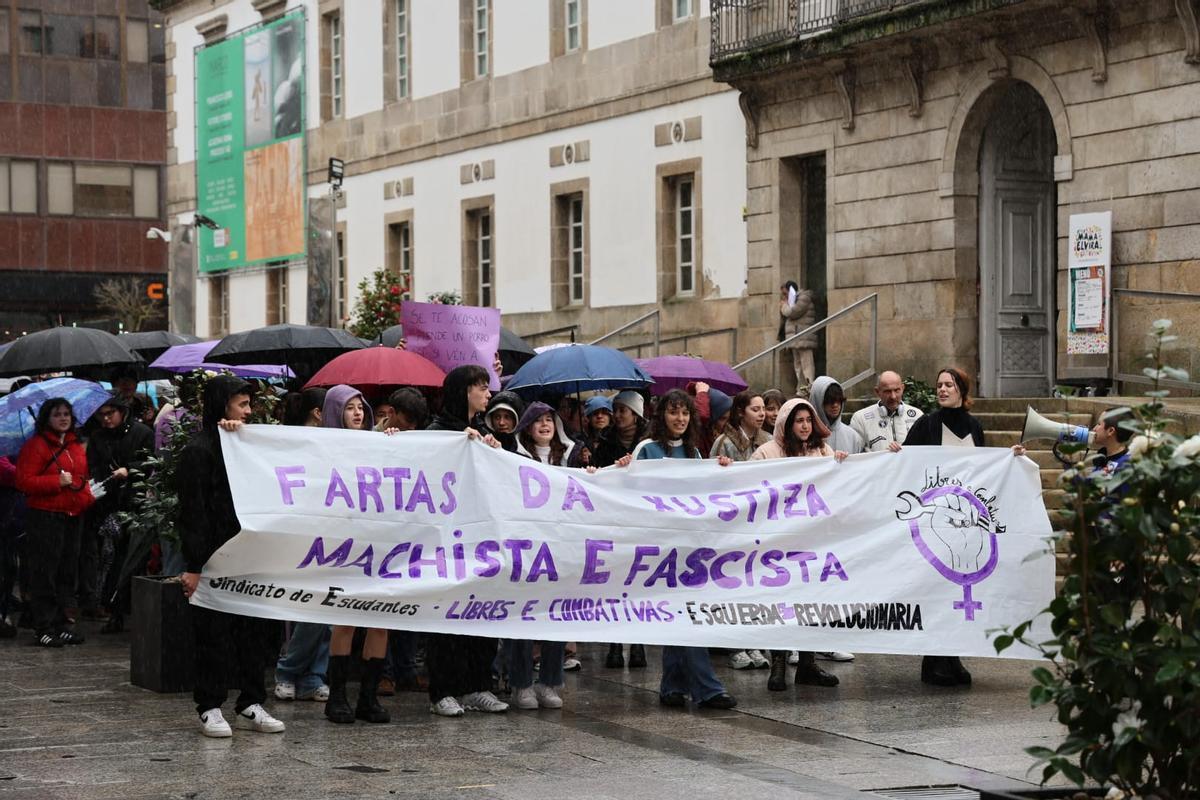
x,y
578,368
19,409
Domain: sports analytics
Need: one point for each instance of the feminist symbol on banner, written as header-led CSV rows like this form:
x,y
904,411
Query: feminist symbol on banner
x,y
954,529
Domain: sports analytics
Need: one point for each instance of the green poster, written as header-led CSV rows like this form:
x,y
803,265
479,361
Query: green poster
x,y
250,146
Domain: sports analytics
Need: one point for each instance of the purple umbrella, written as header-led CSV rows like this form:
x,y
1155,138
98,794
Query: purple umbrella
x,y
676,372
187,357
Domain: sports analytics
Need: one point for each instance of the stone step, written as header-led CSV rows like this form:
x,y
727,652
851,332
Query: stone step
x,y
1050,478
1054,498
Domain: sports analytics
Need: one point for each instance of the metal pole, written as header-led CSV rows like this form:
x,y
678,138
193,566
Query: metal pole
x,y
874,328
657,331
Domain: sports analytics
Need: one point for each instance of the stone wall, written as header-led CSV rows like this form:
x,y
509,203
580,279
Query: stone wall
x,y
902,172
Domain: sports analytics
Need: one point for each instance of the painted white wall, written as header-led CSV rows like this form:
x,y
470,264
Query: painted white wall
x,y
434,27
363,20
611,21
521,38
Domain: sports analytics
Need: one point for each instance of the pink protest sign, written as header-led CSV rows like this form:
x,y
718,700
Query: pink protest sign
x,y
451,336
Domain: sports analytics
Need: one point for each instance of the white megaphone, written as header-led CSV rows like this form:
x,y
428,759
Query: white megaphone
x,y
1038,427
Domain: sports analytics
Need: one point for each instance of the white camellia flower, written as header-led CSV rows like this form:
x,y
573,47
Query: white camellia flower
x,y
1189,449
1128,719
1138,446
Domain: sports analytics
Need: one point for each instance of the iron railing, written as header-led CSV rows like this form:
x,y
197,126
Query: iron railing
x,y
1114,359
872,300
655,315
531,337
732,333
740,26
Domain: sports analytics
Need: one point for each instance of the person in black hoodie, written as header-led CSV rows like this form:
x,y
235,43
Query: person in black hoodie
x,y
121,443
504,410
229,648
461,666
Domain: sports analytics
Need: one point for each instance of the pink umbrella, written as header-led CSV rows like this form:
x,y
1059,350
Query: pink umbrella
x,y
676,372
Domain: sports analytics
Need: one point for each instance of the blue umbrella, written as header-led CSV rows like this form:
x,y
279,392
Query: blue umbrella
x,y
578,368
19,409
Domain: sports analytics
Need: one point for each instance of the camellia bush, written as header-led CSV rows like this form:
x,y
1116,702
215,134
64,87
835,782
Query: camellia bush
x,y
378,306
1124,653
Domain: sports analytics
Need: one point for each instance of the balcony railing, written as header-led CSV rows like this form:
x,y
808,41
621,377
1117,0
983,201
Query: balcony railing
x,y
740,26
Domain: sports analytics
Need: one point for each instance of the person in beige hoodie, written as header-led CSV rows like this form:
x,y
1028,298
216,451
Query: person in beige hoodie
x,y
799,433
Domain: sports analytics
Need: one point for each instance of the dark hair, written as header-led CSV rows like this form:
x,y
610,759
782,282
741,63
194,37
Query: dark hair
x,y
298,406
411,403
834,394
1113,418
124,373
962,382
558,450
774,396
790,285
741,401
792,446
658,423
42,424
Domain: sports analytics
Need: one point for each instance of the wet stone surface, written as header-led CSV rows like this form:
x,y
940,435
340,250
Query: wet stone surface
x,y
72,726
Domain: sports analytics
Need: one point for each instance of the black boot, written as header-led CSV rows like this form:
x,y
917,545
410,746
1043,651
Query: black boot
x,y
337,709
954,666
616,657
777,681
937,671
637,656
368,708
808,672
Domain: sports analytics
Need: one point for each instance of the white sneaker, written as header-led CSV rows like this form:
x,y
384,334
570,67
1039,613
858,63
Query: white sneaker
x,y
525,699
285,690
546,696
320,694
572,664
484,701
212,723
793,658
835,655
446,707
760,661
256,718
741,660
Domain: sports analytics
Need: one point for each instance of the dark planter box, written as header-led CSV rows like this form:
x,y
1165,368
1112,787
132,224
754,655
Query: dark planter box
x,y
160,652
1058,793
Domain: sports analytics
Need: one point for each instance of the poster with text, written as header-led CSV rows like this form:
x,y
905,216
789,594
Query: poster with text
x,y
1089,259
250,146
451,336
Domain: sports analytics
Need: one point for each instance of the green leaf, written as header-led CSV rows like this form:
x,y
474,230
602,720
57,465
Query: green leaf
x,y
1070,771
1043,676
1170,671
1002,643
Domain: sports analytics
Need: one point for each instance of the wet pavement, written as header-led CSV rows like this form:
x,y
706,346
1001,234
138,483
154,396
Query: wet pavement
x,y
72,726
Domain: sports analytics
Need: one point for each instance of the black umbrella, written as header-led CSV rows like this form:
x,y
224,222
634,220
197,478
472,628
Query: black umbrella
x,y
514,351
152,344
392,336
63,350
304,348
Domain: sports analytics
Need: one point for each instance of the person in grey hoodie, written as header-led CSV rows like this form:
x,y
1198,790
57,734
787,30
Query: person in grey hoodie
x,y
829,399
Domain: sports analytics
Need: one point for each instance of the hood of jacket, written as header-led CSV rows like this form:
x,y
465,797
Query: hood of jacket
x,y
119,402
506,400
788,410
454,400
535,410
820,387
335,405
217,393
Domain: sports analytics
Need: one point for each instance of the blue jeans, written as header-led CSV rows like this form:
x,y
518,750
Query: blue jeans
x,y
307,658
401,659
520,663
687,671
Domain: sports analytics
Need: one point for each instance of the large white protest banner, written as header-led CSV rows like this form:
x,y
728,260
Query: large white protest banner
x,y
924,551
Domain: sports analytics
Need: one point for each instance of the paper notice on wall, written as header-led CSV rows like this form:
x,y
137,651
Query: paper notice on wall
x,y
1089,263
1089,303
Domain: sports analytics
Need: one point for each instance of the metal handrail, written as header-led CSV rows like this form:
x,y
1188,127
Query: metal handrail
x,y
551,331
872,299
656,315
1114,359
732,333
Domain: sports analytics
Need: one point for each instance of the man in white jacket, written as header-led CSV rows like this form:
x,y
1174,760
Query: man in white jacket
x,y
884,425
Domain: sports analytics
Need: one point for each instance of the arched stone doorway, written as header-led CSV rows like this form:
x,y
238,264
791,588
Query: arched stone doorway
x,y
1017,247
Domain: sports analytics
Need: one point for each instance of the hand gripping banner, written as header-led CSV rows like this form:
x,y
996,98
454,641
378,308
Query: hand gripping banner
x,y
925,551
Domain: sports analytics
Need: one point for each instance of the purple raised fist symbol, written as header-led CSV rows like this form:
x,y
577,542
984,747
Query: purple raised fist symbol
x,y
954,532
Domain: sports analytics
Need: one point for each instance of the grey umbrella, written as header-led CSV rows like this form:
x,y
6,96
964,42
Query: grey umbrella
x,y
152,344
65,350
304,348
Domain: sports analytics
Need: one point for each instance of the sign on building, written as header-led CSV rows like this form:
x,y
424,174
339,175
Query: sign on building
x,y
250,146
1089,282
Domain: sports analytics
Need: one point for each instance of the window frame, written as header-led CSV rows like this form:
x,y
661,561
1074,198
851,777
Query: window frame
x,y
337,76
401,43
486,284
482,36
10,205
341,276
404,267
568,28
218,305
687,14
680,237
576,250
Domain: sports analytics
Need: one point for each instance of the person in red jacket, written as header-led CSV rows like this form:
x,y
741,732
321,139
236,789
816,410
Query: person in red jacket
x,y
52,473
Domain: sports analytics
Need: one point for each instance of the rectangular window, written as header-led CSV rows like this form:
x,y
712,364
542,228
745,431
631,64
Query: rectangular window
x,y
107,38
67,35
484,257
4,46
103,191
401,48
481,40
342,301
685,237
277,293
683,9
405,265
60,189
137,41
575,249
335,62
19,187
32,35
145,192
574,25
218,305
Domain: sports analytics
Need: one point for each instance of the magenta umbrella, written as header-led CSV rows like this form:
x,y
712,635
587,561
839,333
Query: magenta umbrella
x,y
676,372
186,357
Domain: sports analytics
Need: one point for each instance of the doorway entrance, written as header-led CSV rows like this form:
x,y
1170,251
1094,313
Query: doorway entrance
x,y
1017,199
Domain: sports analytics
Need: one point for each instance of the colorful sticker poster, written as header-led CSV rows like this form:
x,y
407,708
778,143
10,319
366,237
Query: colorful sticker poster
x,y
250,146
1090,240
451,336
1089,275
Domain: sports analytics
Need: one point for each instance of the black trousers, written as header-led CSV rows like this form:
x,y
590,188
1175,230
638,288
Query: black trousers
x,y
458,665
53,549
232,652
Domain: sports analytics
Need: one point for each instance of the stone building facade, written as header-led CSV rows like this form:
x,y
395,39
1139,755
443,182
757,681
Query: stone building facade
x,y
932,152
